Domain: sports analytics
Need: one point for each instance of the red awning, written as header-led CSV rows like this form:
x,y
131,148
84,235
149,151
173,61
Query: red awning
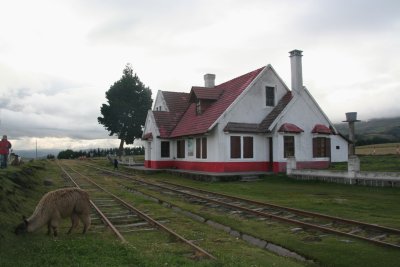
x,y
147,136
321,129
290,128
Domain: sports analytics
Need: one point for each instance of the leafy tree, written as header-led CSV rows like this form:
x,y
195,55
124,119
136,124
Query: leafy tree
x,y
126,111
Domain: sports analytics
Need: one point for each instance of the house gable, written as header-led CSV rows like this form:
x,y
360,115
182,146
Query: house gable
x,y
192,123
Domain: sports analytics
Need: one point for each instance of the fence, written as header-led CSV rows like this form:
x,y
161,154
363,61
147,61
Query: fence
x,y
353,175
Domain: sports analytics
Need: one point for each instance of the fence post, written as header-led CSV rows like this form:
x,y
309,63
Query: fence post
x,y
353,167
291,165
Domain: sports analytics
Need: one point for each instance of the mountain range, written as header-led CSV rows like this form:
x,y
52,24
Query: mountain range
x,y
374,131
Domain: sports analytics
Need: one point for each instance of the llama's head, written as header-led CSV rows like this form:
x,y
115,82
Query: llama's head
x,y
22,227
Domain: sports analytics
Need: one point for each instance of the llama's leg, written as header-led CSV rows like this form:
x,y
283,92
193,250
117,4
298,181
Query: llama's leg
x,y
74,222
48,228
54,226
86,222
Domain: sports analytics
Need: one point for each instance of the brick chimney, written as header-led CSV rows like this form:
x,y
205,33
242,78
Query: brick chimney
x,y
296,69
209,80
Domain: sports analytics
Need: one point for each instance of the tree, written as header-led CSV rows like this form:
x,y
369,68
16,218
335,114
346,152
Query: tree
x,y
128,103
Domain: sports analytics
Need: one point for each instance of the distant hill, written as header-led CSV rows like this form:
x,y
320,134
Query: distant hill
x,y
31,154
374,131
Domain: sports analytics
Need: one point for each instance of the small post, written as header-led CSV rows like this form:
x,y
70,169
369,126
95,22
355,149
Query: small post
x,y
291,165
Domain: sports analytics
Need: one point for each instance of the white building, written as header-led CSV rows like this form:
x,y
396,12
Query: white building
x,y
251,123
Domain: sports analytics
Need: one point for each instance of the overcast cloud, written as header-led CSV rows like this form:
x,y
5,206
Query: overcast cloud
x,y
58,58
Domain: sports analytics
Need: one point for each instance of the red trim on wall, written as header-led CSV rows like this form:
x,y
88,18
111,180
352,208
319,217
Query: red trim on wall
x,y
232,166
208,166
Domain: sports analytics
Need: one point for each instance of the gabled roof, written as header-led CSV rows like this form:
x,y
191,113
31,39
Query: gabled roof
x,y
166,122
192,124
177,102
204,93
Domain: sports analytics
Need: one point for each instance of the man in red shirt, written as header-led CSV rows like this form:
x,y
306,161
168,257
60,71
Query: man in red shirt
x,y
5,146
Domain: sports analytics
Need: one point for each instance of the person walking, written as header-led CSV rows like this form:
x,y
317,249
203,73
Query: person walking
x,y
5,146
115,164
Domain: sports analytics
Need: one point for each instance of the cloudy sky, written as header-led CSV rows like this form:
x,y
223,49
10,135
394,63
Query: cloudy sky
x,y
58,58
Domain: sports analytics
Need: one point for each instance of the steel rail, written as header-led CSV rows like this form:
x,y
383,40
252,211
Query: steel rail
x,y
150,220
280,218
298,211
102,215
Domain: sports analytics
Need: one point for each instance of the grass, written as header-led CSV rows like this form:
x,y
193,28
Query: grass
x,y
379,149
378,163
152,248
369,204
22,187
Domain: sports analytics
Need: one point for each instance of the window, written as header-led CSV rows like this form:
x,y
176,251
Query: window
x,y
198,147
190,147
198,107
321,147
164,149
180,149
201,147
270,96
235,147
204,147
247,147
288,146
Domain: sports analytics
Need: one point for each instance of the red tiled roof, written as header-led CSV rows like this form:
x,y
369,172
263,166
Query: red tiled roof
x,y
166,122
321,129
177,102
191,124
290,128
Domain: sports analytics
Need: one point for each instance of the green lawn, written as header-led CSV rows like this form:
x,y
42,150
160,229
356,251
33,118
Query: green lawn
x,y
379,163
21,188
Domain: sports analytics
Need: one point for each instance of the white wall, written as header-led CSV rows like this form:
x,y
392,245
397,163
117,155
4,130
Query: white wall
x,y
303,112
339,149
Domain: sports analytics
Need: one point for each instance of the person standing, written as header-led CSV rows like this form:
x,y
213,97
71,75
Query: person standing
x,y
5,146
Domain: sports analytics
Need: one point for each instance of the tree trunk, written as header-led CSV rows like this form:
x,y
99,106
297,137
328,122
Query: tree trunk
x,y
121,148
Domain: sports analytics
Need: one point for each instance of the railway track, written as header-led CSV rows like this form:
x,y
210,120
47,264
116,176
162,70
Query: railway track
x,y
379,235
120,216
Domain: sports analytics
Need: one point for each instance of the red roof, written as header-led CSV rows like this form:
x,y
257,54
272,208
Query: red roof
x,y
290,128
166,122
205,93
177,102
321,129
191,123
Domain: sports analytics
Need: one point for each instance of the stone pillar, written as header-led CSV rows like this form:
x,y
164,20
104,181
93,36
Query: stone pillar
x,y
291,165
353,167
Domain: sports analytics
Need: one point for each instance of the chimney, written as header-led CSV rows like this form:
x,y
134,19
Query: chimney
x,y
296,68
209,80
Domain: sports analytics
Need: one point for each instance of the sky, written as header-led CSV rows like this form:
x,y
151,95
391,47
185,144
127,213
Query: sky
x,y
58,58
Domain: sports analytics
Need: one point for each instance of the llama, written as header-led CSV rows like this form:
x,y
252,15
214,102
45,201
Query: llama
x,y
55,205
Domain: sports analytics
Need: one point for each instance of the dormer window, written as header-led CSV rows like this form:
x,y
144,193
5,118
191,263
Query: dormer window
x,y
269,96
198,107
